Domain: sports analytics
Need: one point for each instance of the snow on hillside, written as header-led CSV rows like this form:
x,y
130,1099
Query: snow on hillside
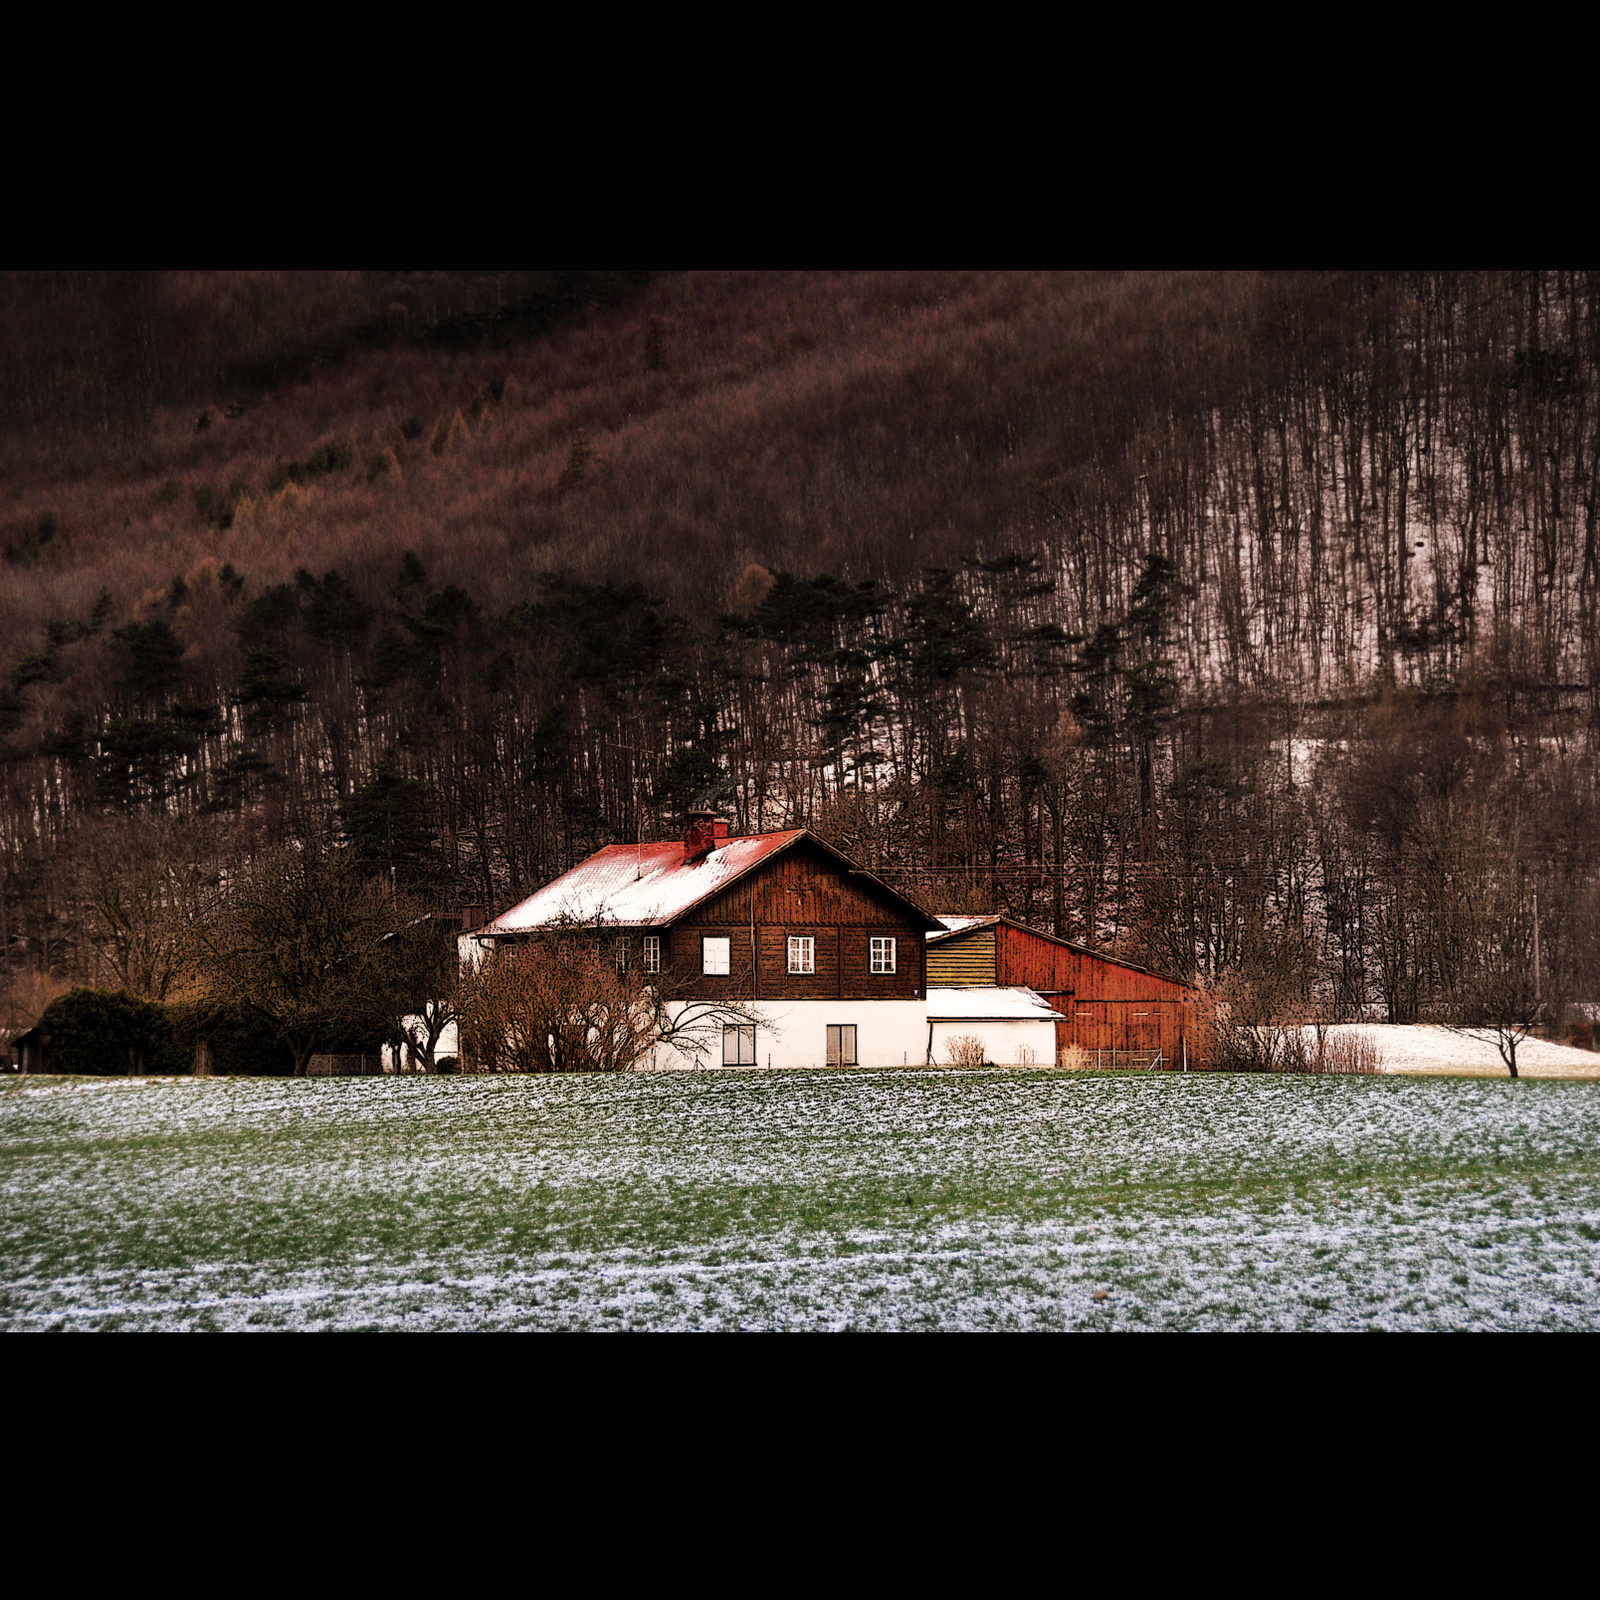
x,y
1426,1048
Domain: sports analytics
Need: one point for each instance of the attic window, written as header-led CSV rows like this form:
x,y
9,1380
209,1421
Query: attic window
x,y
716,958
802,954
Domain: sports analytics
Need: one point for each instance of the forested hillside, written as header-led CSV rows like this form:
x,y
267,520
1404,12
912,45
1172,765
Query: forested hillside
x,y
1244,624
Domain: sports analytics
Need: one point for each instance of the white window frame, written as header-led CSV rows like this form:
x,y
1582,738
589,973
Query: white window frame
x,y
803,954
740,1039
652,953
708,942
620,955
842,1048
883,954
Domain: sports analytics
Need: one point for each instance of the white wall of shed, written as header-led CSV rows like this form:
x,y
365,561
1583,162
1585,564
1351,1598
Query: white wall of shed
x,y
1004,1043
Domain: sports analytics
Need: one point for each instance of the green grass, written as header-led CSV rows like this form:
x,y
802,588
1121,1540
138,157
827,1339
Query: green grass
x,y
983,1199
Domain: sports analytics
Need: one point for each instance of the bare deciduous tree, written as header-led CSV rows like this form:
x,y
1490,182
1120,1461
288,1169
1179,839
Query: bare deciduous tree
x,y
144,883
300,938
558,1003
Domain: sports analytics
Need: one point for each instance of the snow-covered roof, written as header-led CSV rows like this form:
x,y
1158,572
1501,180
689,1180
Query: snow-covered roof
x,y
954,924
637,886
988,1005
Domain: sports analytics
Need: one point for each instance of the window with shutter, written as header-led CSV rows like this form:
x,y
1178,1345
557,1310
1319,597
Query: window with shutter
x,y
842,1044
739,1044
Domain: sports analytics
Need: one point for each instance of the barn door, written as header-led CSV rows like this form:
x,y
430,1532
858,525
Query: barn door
x,y
1144,1028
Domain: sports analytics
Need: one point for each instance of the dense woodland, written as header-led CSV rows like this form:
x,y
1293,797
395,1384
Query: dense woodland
x,y
1244,625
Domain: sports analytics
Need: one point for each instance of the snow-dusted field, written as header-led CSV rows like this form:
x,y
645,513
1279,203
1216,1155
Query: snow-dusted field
x,y
1426,1048
802,1200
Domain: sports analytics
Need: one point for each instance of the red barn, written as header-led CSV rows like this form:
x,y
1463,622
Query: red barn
x,y
1104,1003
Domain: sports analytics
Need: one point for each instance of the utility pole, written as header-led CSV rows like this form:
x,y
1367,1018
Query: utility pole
x,y
1538,983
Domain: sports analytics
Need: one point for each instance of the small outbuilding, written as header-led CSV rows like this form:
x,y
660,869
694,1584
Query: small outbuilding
x,y
1101,1004
1014,1027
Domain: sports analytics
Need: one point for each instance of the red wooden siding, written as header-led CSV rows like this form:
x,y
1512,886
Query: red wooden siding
x,y
1104,1005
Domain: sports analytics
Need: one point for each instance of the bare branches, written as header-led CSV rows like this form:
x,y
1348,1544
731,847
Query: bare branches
x,y
301,939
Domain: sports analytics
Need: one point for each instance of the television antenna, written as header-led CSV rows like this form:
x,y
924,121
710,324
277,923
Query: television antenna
x,y
638,811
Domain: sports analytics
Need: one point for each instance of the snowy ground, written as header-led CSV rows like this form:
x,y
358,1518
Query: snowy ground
x,y
801,1200
1429,1049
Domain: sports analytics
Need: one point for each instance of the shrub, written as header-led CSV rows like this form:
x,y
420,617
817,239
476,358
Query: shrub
x,y
1293,1049
1349,1053
100,1031
965,1050
243,1043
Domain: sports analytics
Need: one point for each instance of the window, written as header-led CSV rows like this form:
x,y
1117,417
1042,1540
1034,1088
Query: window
x,y
739,1044
883,955
715,955
802,954
842,1044
622,955
652,952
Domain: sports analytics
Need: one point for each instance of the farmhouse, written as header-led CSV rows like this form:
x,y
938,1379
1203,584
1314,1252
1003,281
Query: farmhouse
x,y
828,959
1100,1004
831,966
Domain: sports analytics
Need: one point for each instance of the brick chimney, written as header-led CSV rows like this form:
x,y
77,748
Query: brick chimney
x,y
704,834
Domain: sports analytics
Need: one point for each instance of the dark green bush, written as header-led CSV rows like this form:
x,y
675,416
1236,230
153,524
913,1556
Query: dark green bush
x,y
100,1031
242,1043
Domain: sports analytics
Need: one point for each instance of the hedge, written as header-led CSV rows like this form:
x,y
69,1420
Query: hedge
x,y
110,1031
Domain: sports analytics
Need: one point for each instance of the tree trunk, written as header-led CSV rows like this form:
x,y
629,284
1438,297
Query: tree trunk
x,y
302,1055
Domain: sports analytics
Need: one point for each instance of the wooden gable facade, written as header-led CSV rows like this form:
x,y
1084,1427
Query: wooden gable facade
x,y
1104,1003
807,891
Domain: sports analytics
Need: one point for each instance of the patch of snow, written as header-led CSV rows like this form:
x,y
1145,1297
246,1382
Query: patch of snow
x,y
982,1004
1428,1048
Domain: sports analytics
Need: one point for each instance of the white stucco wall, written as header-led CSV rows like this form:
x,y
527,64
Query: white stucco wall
x,y
794,1033
1008,1043
448,1045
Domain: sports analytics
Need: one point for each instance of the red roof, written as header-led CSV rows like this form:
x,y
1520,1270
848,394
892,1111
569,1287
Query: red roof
x,y
647,886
